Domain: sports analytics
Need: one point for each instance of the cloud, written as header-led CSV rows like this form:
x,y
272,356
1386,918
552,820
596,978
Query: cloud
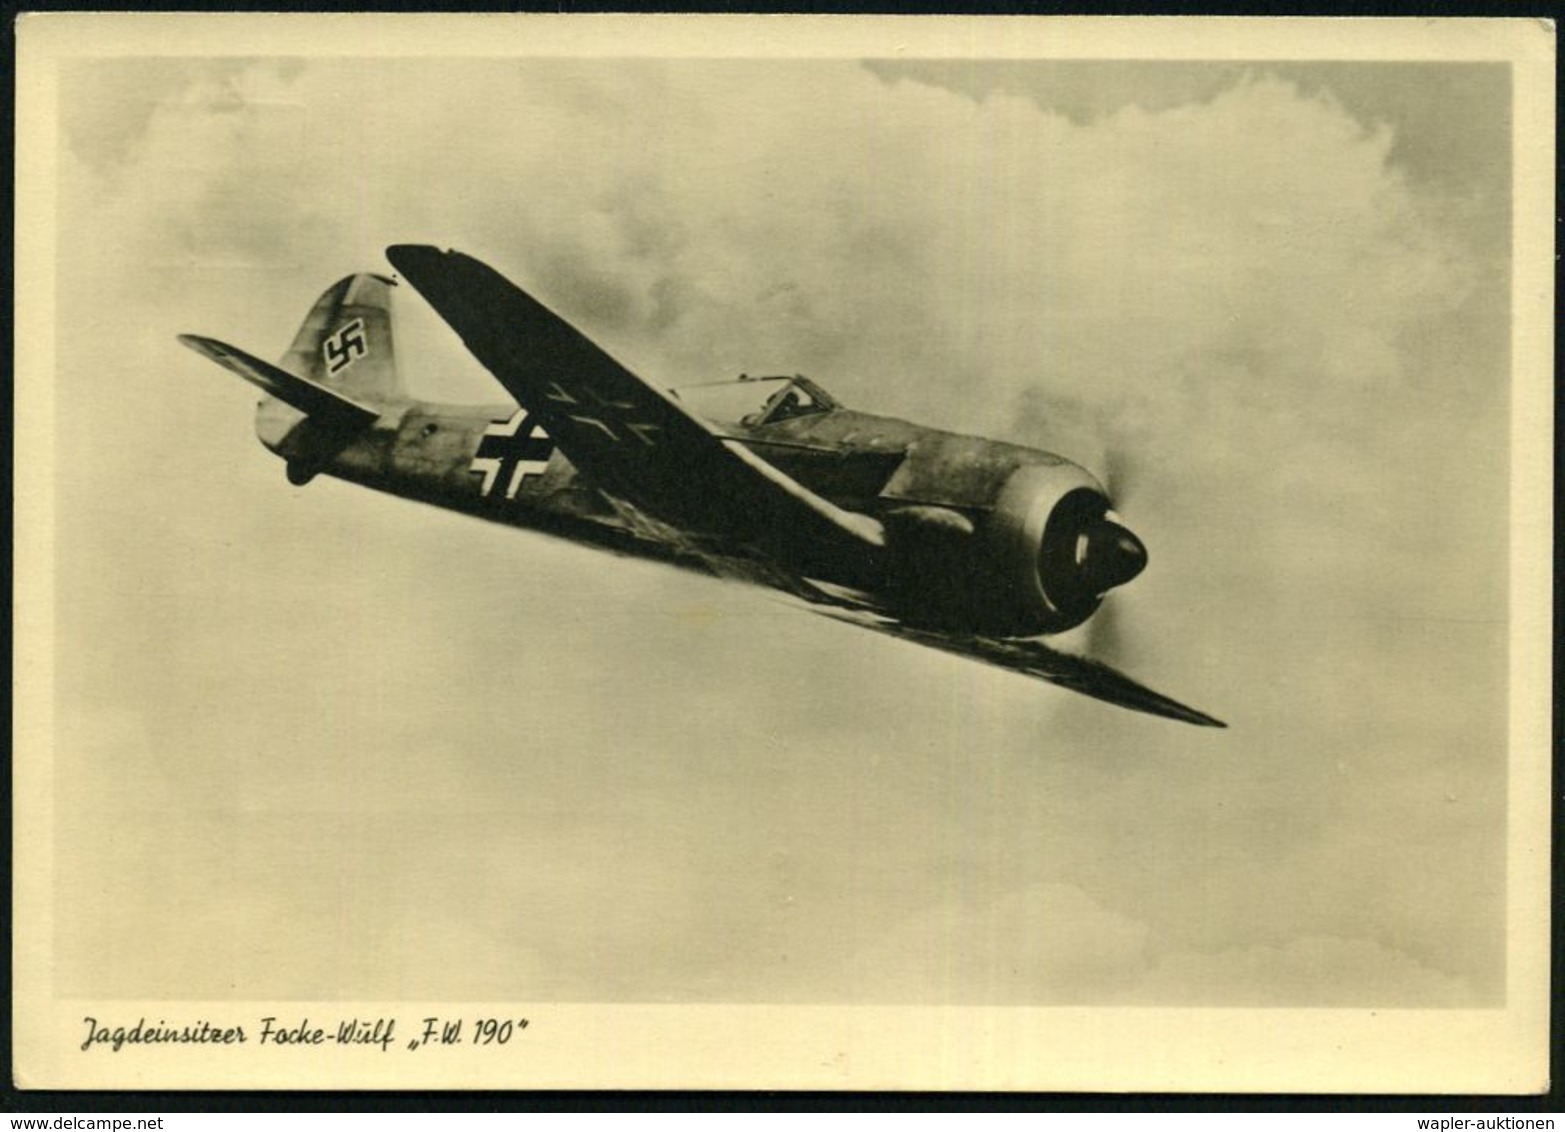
x,y
1051,943
1322,971
1054,944
1289,342
1254,255
264,906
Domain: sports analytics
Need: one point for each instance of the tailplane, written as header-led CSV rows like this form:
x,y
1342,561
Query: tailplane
x,y
339,375
309,397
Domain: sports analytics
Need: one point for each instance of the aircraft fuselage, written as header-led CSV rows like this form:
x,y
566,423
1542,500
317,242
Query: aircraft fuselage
x,y
495,463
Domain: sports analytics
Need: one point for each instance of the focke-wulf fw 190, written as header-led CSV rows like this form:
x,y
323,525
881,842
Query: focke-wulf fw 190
x,y
972,546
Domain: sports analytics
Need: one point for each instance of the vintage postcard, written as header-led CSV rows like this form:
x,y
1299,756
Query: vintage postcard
x,y
885,553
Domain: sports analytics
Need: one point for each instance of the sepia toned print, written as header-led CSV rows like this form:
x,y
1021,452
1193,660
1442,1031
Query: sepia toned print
x,y
312,744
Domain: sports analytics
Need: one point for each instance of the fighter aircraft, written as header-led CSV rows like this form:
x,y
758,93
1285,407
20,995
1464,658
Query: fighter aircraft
x,y
971,546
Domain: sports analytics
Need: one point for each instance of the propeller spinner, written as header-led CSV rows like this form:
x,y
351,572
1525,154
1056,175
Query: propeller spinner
x,y
1108,554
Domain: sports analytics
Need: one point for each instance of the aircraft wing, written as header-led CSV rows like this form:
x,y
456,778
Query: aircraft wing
x,y
632,438
1033,658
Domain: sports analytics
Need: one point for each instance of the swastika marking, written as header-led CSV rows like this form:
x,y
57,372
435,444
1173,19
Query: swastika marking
x,y
345,347
511,450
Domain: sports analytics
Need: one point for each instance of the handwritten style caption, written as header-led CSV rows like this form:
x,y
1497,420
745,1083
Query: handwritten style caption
x,y
273,1032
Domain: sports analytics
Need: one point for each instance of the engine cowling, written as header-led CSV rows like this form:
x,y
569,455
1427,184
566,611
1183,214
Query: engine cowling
x,y
1058,547
1038,560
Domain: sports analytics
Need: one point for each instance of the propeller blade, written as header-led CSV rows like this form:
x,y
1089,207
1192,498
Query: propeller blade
x,y
1106,635
1117,476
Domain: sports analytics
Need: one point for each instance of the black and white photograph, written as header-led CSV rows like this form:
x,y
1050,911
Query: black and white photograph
x,y
685,552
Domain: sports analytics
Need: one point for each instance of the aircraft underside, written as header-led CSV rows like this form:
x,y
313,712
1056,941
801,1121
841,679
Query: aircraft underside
x,y
458,459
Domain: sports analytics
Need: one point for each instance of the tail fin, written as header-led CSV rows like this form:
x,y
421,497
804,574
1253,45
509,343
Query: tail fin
x,y
346,341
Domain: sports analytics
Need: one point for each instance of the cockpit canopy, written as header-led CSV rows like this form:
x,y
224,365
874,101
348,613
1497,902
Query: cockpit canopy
x,y
756,401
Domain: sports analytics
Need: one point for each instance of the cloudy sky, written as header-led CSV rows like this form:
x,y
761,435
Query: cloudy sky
x,y
318,743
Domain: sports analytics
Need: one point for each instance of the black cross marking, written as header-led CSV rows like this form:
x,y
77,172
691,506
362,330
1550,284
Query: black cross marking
x,y
345,347
510,451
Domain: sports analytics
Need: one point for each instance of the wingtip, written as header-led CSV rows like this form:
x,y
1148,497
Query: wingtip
x,y
1158,704
1173,709
405,256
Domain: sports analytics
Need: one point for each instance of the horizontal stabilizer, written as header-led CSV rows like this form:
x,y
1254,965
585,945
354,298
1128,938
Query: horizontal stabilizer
x,y
303,394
